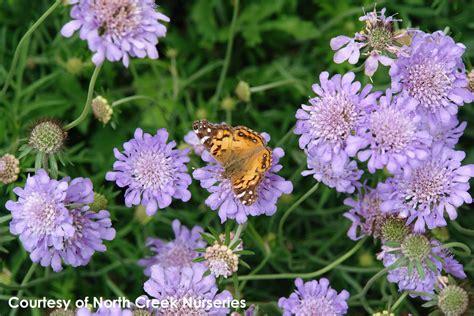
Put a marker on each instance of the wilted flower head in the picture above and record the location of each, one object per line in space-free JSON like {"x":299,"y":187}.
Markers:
{"x":9,"y":168}
{"x":314,"y":298}
{"x":225,"y":200}
{"x":393,"y":134}
{"x":47,"y":136}
{"x":186,"y":283}
{"x":179,"y":252}
{"x":116,"y":30}
{"x":424,"y":193}
{"x":433,"y":74}
{"x":417,"y":262}
{"x":343,"y":176}
{"x":152,"y":170}
{"x":378,"y":40}
{"x":365,"y":214}
{"x":102,"y":109}
{"x":334,"y":114}
{"x":53,"y":221}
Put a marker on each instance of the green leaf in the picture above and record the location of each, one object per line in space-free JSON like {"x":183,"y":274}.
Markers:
{"x":199,"y":259}
{"x":419,"y":269}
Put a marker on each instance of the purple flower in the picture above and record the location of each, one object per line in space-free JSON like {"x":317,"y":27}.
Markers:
{"x":434,"y":260}
{"x":343,"y":176}
{"x":229,"y":205}
{"x":378,"y":40}
{"x":152,"y":170}
{"x":446,"y":135}
{"x":184,"y":285}
{"x":334,"y":114}
{"x":176,"y":253}
{"x":53,"y":221}
{"x":192,"y":139}
{"x":434,"y":75}
{"x":424,"y":193}
{"x":392,"y":132}
{"x":117,"y":30}
{"x":365,"y":214}
{"x":314,"y":298}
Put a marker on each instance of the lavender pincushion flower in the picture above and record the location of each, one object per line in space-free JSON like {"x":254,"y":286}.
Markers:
{"x":314,"y":298}
{"x":117,"y":30}
{"x":152,"y":170}
{"x":53,"y":221}
{"x":434,"y":75}
{"x":192,"y":139}
{"x":424,"y":193}
{"x":344,"y":177}
{"x":393,"y":133}
{"x":187,"y":283}
{"x":176,"y":253}
{"x":378,"y":40}
{"x":446,"y":135}
{"x":334,"y":114}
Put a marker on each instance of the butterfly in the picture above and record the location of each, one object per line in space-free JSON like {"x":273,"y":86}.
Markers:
{"x":242,"y":153}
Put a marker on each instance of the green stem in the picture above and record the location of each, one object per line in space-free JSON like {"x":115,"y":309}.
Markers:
{"x":228,"y":53}
{"x":238,"y":232}
{"x":5,"y":218}
{"x":291,"y":209}
{"x":398,"y":302}
{"x":272,"y":85}
{"x":87,"y":105}
{"x":23,"y":40}
{"x":285,"y":137}
{"x":462,"y":230}
{"x":175,"y":77}
{"x":467,"y":250}
{"x":371,"y":282}
{"x":132,"y":98}
{"x":309,"y":275}
{"x":27,"y":277}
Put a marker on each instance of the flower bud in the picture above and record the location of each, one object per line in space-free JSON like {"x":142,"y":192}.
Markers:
{"x":74,"y":66}
{"x":394,"y":229}
{"x":102,"y":109}
{"x":9,"y":169}
{"x":228,"y":104}
{"x":99,"y":204}
{"x":470,"y":78}
{"x":453,"y":300}
{"x":242,"y":91}
{"x":221,"y":260}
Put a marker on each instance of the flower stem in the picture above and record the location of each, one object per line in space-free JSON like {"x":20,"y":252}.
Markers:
{"x":228,"y":53}
{"x":371,"y":282}
{"x":291,"y":209}
{"x":309,"y":275}
{"x":175,"y":77}
{"x":285,"y":137}
{"x":238,"y":232}
{"x":399,"y":302}
{"x":87,"y":105}
{"x":132,"y":98}
{"x":467,"y":250}
{"x":272,"y":85}
{"x":27,"y":277}
{"x":5,"y":218}
{"x":23,"y":40}
{"x":462,"y":230}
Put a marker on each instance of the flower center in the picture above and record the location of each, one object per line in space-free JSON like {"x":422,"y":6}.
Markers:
{"x":416,"y":247}
{"x":319,"y":306}
{"x":180,"y":255}
{"x":117,"y":18}
{"x":221,"y":260}
{"x":334,"y":117}
{"x":392,"y":130}
{"x":3,"y":166}
{"x":379,"y":37}
{"x":152,"y":169}
{"x":41,"y":214}
{"x":428,"y":82}
{"x":428,"y":185}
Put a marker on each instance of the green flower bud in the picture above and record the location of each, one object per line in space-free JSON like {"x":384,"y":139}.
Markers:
{"x":47,"y":136}
{"x":9,"y":169}
{"x":99,"y":204}
{"x":242,"y":91}
{"x":394,"y":229}
{"x":102,"y":109}
{"x":453,"y":300}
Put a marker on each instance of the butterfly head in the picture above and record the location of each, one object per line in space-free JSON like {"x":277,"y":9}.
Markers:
{"x":203,"y":130}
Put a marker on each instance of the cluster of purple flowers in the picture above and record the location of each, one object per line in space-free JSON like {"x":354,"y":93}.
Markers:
{"x":409,"y":131}
{"x":53,"y":220}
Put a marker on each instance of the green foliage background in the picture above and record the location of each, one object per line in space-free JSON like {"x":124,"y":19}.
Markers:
{"x":285,"y":42}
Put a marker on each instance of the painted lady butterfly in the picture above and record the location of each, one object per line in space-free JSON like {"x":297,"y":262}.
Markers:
{"x":242,"y":153}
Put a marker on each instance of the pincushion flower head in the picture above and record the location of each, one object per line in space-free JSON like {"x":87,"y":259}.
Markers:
{"x":9,"y":168}
{"x":315,"y":298}
{"x":434,"y":75}
{"x":416,"y":263}
{"x":391,"y":136}
{"x":186,"y":286}
{"x":423,"y":194}
{"x":379,"y":41}
{"x":447,"y":135}
{"x":334,"y":114}
{"x":179,"y":252}
{"x":117,"y":30}
{"x":53,"y":221}
{"x":152,"y":170}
